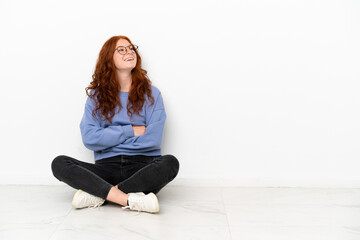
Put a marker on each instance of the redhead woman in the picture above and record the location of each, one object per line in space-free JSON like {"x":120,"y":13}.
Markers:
{"x":123,"y":124}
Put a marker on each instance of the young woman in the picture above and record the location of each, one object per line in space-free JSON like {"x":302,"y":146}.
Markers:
{"x":123,"y":124}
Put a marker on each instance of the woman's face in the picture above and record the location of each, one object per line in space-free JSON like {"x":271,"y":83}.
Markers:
{"x":126,"y":60}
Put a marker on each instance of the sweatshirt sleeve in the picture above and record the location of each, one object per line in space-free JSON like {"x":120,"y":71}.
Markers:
{"x":152,"y":138}
{"x":97,"y":138}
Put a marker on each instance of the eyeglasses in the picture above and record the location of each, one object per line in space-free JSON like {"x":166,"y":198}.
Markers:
{"x":123,"y":50}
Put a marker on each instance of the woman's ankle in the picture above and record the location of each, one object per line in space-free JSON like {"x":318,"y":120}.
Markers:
{"x":115,"y":195}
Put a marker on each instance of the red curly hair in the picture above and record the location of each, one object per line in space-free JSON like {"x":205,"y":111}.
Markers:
{"x":106,"y":86}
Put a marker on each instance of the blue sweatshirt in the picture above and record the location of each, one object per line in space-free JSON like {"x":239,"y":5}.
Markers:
{"x":117,"y":138}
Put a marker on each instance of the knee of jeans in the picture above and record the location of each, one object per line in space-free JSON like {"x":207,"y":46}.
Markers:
{"x":57,"y":164}
{"x":172,"y":164}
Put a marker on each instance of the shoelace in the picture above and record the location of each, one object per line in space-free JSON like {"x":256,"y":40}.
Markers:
{"x":93,"y":201}
{"x":97,"y":205}
{"x":128,"y":207}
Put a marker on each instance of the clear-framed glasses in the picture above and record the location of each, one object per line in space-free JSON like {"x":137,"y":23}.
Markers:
{"x":123,"y":50}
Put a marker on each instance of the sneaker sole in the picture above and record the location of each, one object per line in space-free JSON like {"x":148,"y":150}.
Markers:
{"x":157,"y":208}
{"x":75,"y":197}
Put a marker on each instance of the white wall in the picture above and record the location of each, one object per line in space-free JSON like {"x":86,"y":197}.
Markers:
{"x":257,"y":93}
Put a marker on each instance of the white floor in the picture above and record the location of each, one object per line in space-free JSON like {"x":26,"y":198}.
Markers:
{"x":45,"y":212}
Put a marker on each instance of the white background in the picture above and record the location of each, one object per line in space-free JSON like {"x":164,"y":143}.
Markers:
{"x":257,"y":93}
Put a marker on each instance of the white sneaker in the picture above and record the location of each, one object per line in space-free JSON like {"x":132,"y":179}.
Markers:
{"x":141,"y":202}
{"x":83,"y":199}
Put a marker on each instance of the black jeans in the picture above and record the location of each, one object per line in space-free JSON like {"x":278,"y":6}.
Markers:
{"x":130,"y":173}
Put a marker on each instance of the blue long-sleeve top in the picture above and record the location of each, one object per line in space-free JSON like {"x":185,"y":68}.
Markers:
{"x":117,"y":138}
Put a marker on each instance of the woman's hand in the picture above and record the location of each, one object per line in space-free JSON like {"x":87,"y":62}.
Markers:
{"x":139,"y":130}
